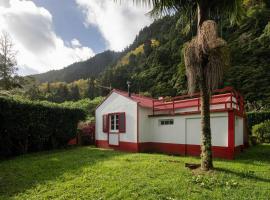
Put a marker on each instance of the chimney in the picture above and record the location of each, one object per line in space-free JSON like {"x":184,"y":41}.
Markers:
{"x":128,"y":84}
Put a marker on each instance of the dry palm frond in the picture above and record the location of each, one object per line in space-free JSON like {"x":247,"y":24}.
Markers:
{"x":206,"y":43}
{"x":192,"y":63}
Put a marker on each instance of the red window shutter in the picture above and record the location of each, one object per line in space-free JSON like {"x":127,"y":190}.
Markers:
{"x":122,"y":122}
{"x":105,"y":122}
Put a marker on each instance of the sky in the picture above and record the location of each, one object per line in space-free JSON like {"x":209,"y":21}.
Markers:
{"x":52,"y":34}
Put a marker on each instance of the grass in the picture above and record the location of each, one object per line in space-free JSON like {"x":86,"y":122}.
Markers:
{"x":91,"y":173}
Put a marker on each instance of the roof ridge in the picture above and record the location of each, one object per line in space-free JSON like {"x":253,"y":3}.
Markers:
{"x":134,"y":94}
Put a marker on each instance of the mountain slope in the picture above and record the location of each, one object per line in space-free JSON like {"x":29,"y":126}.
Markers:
{"x":80,"y":70}
{"x":160,"y":71}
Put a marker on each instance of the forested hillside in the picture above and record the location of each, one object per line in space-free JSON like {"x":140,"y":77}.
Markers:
{"x":160,"y":70}
{"x":80,"y":70}
{"x":154,"y":63}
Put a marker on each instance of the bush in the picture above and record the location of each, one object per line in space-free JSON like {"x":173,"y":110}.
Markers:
{"x":28,"y":126}
{"x":262,"y":132}
{"x":88,"y":105}
{"x":254,"y":118}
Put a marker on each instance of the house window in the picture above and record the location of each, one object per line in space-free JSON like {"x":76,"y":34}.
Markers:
{"x":166,"y":122}
{"x":114,"y":122}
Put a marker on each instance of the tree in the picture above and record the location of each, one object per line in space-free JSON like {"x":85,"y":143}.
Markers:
{"x":7,"y":61}
{"x":204,"y":55}
{"x":74,"y":93}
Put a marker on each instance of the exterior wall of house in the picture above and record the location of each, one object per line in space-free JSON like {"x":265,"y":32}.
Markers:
{"x":239,"y":131}
{"x":116,"y":103}
{"x":186,"y":129}
{"x":184,"y":136}
{"x":144,"y":125}
{"x":144,"y":133}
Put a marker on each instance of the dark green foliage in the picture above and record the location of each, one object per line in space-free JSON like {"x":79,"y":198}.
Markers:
{"x":262,"y":132}
{"x":87,"y":105}
{"x":32,"y":126}
{"x":74,"y":93}
{"x":80,"y":70}
{"x":254,"y":118}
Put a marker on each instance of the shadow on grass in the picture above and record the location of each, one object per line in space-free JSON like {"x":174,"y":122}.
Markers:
{"x":244,"y":174}
{"x":259,"y":153}
{"x":25,"y":172}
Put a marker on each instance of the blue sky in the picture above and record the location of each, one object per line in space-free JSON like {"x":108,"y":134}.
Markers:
{"x":68,"y":23}
{"x":52,"y":34}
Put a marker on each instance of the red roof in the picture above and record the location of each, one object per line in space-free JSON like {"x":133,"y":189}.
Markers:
{"x":175,"y":103}
{"x":142,"y":100}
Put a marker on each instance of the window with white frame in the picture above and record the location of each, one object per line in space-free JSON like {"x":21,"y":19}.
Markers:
{"x":166,"y":122}
{"x":114,"y":122}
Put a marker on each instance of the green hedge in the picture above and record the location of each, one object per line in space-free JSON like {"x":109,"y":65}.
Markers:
{"x":254,"y":118}
{"x":27,"y":126}
{"x":262,"y":132}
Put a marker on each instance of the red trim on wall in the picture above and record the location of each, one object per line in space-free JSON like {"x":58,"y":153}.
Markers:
{"x":231,"y":132}
{"x":102,"y":144}
{"x":138,"y":132}
{"x":168,"y":148}
{"x":123,"y":146}
{"x":162,"y":148}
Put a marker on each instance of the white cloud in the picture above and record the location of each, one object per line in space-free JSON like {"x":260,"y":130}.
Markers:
{"x":75,"y":43}
{"x":38,"y":45}
{"x":24,"y":71}
{"x":119,"y":22}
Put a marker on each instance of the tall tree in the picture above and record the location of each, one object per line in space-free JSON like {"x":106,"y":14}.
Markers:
{"x":74,"y":93}
{"x":204,"y":54}
{"x":7,"y":61}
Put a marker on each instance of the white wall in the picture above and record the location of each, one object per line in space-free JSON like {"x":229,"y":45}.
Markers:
{"x":144,"y":124}
{"x":219,"y":130}
{"x":118,"y":103}
{"x":186,"y":128}
{"x":239,"y":131}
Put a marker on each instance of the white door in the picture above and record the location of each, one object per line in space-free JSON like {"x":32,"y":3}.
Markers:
{"x":114,"y":139}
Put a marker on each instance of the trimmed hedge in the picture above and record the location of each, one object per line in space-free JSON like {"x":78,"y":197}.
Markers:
{"x":254,"y":118}
{"x":27,"y":126}
{"x":262,"y":132}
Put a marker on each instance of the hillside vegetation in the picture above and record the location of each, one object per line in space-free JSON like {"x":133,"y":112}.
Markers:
{"x":158,"y":69}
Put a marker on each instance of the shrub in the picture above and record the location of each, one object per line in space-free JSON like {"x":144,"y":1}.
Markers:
{"x":88,"y":105}
{"x":257,"y":118}
{"x":28,"y":126}
{"x":262,"y":132}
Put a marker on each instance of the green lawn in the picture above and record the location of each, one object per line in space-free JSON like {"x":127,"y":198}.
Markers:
{"x":90,"y":173}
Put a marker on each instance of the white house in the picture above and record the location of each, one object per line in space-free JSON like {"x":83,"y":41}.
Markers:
{"x":130,"y":122}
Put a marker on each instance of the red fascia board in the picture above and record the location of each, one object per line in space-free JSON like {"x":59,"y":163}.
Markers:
{"x":116,"y":91}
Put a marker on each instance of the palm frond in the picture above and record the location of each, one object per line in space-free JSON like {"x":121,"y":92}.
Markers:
{"x":208,"y":43}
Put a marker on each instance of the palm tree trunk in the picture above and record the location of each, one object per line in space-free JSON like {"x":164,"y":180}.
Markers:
{"x":206,"y":146}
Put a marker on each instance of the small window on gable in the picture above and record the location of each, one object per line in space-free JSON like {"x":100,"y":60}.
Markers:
{"x":166,"y":122}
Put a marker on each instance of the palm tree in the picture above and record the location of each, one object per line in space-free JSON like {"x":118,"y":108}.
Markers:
{"x":204,"y":55}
